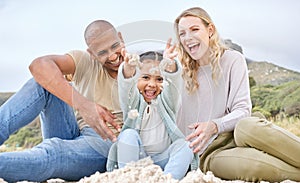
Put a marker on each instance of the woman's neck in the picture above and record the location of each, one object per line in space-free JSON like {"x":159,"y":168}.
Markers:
{"x":204,"y":60}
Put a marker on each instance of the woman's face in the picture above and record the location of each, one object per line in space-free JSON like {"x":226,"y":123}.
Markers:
{"x":150,"y":82}
{"x":194,"y":36}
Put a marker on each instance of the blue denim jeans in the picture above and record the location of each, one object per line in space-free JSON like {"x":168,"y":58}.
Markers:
{"x":65,"y":152}
{"x":175,"y":160}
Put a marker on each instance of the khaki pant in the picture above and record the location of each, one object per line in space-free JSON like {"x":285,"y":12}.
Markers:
{"x":257,"y":150}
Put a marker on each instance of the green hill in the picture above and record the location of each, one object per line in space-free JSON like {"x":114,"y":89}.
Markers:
{"x":273,"y":100}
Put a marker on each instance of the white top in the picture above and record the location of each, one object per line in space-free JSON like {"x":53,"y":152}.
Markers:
{"x":224,"y":102}
{"x":153,"y":131}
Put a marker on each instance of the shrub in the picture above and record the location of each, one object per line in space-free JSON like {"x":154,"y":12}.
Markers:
{"x":24,"y":137}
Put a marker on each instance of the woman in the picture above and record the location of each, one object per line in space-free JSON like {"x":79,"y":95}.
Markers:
{"x":216,"y":109}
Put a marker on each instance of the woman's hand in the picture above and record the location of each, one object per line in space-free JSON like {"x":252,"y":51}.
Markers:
{"x":203,"y":131}
{"x":170,"y":51}
{"x":168,"y":64}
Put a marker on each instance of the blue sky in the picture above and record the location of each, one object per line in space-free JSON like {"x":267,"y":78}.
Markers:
{"x":267,"y":30}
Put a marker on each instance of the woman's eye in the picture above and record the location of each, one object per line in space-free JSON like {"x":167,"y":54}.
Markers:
{"x":195,"y":29}
{"x":181,"y":34}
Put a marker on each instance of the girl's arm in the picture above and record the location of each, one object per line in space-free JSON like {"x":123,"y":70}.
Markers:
{"x":171,"y":70}
{"x":127,"y":79}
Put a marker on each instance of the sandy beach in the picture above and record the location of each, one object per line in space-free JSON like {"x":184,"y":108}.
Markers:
{"x":144,"y":171}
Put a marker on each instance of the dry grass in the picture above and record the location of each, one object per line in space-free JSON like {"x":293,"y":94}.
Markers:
{"x":291,"y":124}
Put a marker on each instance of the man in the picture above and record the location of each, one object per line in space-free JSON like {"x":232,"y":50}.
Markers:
{"x":74,"y":145}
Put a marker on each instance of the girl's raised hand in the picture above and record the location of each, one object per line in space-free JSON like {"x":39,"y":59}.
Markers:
{"x":131,"y":62}
{"x":130,"y":59}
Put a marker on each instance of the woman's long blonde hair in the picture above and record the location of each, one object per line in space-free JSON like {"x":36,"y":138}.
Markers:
{"x":216,"y":48}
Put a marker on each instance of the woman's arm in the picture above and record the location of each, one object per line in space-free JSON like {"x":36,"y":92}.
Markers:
{"x":238,"y":102}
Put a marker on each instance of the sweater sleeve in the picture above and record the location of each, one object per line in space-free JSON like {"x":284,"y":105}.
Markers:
{"x":238,"y":102}
{"x":171,"y":89}
{"x":128,"y":95}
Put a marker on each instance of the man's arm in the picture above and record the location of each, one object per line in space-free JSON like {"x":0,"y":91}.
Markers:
{"x":49,"y":72}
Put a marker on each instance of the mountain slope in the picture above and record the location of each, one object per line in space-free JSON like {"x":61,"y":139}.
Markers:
{"x":265,"y":73}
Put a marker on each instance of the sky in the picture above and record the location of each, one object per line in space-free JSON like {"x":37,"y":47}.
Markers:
{"x":267,"y":30}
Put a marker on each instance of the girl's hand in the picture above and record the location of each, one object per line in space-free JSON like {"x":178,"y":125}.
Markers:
{"x":131,"y":62}
{"x":203,"y":131}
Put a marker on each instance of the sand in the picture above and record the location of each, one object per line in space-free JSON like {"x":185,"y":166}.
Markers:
{"x":144,"y":171}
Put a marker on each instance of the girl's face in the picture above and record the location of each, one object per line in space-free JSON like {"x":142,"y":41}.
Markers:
{"x":150,"y":82}
{"x":194,"y":36}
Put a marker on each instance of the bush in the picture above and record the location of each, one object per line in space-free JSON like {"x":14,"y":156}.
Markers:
{"x":267,"y":114}
{"x":293,"y":110}
{"x":26,"y":136}
{"x":252,"y":82}
{"x":277,"y":99}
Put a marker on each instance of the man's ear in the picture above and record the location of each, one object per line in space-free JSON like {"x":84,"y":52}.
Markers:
{"x":120,"y":36}
{"x":91,"y":53}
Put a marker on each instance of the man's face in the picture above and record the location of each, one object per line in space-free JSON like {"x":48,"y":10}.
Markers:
{"x":107,"y":50}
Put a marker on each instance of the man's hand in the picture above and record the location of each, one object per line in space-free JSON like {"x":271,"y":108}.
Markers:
{"x":97,"y":116}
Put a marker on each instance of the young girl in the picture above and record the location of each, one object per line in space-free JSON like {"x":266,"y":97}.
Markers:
{"x":149,"y":98}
